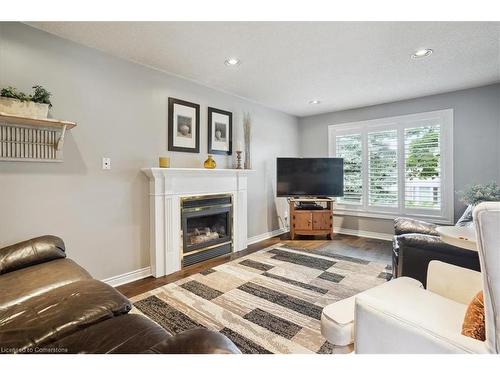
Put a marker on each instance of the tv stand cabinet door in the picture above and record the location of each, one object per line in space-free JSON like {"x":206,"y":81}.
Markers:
{"x":322,"y":220}
{"x":302,"y":220}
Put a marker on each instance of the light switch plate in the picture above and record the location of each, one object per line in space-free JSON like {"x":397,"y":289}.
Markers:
{"x":106,"y":163}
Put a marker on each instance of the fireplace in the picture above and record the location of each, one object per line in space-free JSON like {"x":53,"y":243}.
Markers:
{"x":171,"y":190}
{"x":206,"y":226}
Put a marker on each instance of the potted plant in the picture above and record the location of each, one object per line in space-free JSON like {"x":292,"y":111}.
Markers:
{"x":15,"y":102}
{"x":475,"y":194}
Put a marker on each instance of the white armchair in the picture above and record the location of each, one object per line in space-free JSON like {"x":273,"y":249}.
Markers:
{"x":415,"y":320}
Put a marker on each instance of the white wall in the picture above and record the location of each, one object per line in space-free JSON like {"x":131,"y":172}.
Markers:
{"x":121,"y":111}
{"x":476,"y":139}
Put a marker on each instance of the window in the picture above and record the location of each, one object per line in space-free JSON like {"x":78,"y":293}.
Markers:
{"x":397,"y":166}
{"x":382,"y":168}
{"x":349,"y":147}
{"x":422,"y":167}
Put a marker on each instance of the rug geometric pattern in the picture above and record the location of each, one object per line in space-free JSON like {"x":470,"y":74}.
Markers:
{"x":267,"y":302}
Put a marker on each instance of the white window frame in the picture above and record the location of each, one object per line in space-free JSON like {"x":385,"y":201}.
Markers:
{"x":445,"y":119}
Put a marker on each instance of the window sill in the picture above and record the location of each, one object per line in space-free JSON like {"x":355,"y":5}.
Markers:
{"x":391,"y":216}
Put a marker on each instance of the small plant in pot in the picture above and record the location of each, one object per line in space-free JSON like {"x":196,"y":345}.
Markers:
{"x":475,"y":194}
{"x":15,"y":102}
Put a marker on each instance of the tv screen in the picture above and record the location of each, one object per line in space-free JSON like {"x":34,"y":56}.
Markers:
{"x":316,"y":177}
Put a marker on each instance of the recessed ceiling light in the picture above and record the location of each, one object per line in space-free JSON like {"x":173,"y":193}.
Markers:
{"x":421,"y":53}
{"x":314,"y":101}
{"x":232,"y":61}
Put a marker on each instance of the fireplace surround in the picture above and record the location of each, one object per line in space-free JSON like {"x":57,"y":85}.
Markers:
{"x":173,"y":189}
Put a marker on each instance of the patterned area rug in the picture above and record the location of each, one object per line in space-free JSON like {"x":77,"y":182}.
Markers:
{"x":267,"y":302}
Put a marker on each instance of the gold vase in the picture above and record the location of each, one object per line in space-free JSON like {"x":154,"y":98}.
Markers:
{"x":210,"y":163}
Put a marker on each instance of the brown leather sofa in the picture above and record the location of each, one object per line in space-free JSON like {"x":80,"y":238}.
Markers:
{"x":49,"y":304}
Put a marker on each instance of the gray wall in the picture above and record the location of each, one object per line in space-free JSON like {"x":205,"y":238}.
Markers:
{"x":121,"y":111}
{"x":476,"y":138}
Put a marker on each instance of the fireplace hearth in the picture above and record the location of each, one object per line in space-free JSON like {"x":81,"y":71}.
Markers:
{"x":206,"y":225}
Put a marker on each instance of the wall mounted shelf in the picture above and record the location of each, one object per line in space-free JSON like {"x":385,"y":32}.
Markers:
{"x":32,"y":139}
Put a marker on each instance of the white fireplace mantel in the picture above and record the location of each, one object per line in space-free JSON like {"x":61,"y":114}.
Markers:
{"x":166,"y":188}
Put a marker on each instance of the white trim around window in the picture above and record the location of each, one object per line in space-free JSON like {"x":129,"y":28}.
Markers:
{"x":442,"y":211}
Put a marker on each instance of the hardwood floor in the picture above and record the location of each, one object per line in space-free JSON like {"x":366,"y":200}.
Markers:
{"x":366,"y":248}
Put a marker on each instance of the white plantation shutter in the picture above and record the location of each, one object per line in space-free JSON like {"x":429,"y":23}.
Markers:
{"x":350,"y":147}
{"x":383,"y":168}
{"x":400,"y":165}
{"x":423,"y":167}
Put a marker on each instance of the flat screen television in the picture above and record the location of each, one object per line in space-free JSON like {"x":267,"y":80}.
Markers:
{"x":312,"y":177}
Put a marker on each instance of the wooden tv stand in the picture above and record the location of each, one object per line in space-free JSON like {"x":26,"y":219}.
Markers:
{"x":311,"y":221}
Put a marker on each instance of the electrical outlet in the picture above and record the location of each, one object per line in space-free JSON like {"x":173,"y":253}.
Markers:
{"x":106,"y":163}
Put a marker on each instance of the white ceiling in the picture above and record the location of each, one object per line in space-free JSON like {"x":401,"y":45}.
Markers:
{"x":286,"y":64}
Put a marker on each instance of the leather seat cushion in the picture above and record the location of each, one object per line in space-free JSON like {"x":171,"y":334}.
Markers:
{"x":26,"y":283}
{"x":337,"y":319}
{"x":126,"y":334}
{"x":59,"y":312}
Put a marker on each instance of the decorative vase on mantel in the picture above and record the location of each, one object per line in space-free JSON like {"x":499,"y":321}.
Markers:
{"x":247,"y":133}
{"x":210,"y":163}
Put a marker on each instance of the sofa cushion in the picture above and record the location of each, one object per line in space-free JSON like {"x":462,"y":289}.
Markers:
{"x":404,"y":225}
{"x":31,"y":252}
{"x":58,"y":312}
{"x":125,"y":334}
{"x":29,"y":282}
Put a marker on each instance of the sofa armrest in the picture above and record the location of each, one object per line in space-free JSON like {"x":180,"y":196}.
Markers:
{"x":28,"y":253}
{"x":429,"y":242}
{"x":416,"y":322}
{"x":195,"y":341}
{"x":403,"y":225}
{"x":415,"y":251}
{"x":456,"y":283}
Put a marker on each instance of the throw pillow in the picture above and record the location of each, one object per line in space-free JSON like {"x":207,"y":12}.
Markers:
{"x":474,"y":325}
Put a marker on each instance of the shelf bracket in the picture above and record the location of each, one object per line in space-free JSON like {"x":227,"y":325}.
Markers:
{"x":60,"y":142}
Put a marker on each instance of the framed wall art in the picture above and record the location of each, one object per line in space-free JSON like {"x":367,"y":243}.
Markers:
{"x":220,"y":132}
{"x":183,"y":126}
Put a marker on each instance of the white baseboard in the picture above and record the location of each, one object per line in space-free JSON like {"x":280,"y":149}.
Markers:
{"x":364,"y":233}
{"x":265,"y":236}
{"x":146,"y":271}
{"x":128,"y":277}
{"x":351,"y":232}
